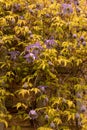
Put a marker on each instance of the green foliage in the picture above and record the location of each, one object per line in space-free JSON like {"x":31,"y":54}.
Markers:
{"x":43,"y":62}
{"x":44,"y":128}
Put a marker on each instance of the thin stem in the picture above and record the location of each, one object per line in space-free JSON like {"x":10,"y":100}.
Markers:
{"x":34,"y":125}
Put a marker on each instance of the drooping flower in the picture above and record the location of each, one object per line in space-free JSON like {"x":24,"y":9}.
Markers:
{"x":82,"y":38}
{"x":83,"y":108}
{"x":66,"y":9}
{"x":77,"y":115}
{"x":13,"y":54}
{"x":45,"y":101}
{"x":32,"y":51}
{"x":42,"y":88}
{"x":30,"y":57}
{"x":84,"y":43}
{"x":78,"y":95}
{"x":78,"y":9}
{"x":50,"y":43}
{"x":21,"y":17}
{"x":52,"y":125}
{"x":74,"y":36}
{"x":33,"y":46}
{"x":33,"y":114}
{"x":76,"y":2}
{"x":16,"y":7}
{"x":46,"y":117}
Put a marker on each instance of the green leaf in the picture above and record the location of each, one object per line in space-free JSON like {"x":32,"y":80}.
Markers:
{"x":35,"y":90}
{"x":19,"y":104}
{"x":70,"y":103}
{"x":57,"y":120}
{"x":23,"y":92}
{"x":5,"y":122}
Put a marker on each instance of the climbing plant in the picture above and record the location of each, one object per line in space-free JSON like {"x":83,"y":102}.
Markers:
{"x":43,"y":63}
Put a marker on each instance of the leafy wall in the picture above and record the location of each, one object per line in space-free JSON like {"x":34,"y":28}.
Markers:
{"x":43,"y":63}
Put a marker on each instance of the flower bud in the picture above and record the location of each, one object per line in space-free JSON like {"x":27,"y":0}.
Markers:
{"x":52,"y":125}
{"x":82,"y":38}
{"x":83,"y":108}
{"x":46,"y":117}
{"x":33,"y":114}
{"x":77,"y":115}
{"x":84,"y":43}
{"x":74,"y":36}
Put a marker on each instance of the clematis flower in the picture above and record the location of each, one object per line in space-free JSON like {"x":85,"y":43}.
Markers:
{"x":77,"y":115}
{"x":16,"y":7}
{"x":45,"y":101}
{"x":30,"y":57}
{"x":42,"y":88}
{"x":33,"y":114}
{"x":84,"y":43}
{"x":21,"y":17}
{"x":74,"y":36}
{"x":50,"y":43}
{"x":83,"y":108}
{"x":32,"y":51}
{"x":67,"y":8}
{"x":76,"y":2}
{"x":13,"y":54}
{"x":46,"y":117}
{"x":33,"y":46}
{"x":52,"y":125}
{"x":82,"y":38}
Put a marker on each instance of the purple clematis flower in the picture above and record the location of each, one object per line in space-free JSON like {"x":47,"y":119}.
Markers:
{"x":33,"y":46}
{"x":50,"y":43}
{"x":32,"y":51}
{"x":21,"y":17}
{"x":46,"y":117}
{"x":42,"y":88}
{"x":52,"y":125}
{"x":33,"y":114}
{"x":83,"y":109}
{"x":13,"y":54}
{"x":30,"y":57}
{"x":76,"y":2}
{"x":77,"y":115}
{"x":67,"y":8}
